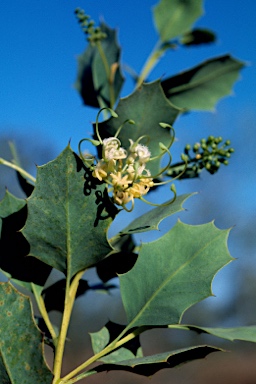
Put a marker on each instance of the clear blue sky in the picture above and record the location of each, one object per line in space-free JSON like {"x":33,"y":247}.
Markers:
{"x":40,"y":41}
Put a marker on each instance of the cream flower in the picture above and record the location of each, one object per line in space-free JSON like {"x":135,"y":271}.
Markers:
{"x":119,"y":181}
{"x":121,"y":197}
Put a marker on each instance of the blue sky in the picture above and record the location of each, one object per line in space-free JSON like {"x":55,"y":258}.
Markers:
{"x":40,"y":41}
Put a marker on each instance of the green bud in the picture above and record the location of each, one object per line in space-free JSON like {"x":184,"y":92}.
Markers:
{"x":184,"y":157}
{"x":225,"y":162}
{"x":227,"y":142}
{"x":208,"y":166}
{"x":164,"y":125}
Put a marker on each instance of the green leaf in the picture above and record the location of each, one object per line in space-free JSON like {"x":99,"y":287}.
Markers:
{"x":14,"y":248}
{"x":69,"y":213}
{"x":202,"y":86}
{"x":22,"y":360}
{"x":173,"y":273}
{"x":235,"y":333}
{"x":148,"y":107}
{"x":10,"y":204}
{"x":109,"y":333}
{"x":149,"y":365}
{"x":175,"y":17}
{"x":92,"y":81}
{"x":197,"y":37}
{"x":151,"y":220}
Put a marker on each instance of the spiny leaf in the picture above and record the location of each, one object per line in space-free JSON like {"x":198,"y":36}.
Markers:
{"x":69,"y":213}
{"x":21,"y":349}
{"x":14,"y":247}
{"x":148,"y":107}
{"x":151,"y":220}
{"x":173,"y":18}
{"x":149,"y":365}
{"x":10,"y":204}
{"x":109,"y":333}
{"x":92,"y":81}
{"x":173,"y":273}
{"x":202,"y":86}
{"x":234,"y":333}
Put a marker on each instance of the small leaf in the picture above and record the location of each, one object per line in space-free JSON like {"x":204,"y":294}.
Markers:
{"x":69,"y":213}
{"x":198,"y":36}
{"x":174,"y":18}
{"x":201,"y":87}
{"x":151,"y":220}
{"x":14,"y":248}
{"x":92,"y":81}
{"x":21,"y":347}
{"x":148,"y":107}
{"x":10,"y":204}
{"x":109,"y":333}
{"x":173,"y":273}
{"x":237,"y":333}
{"x":149,"y":365}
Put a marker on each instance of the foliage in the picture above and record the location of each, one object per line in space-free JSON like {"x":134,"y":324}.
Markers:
{"x":63,"y":223}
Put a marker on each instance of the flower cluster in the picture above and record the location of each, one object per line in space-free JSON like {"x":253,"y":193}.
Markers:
{"x":124,"y":171}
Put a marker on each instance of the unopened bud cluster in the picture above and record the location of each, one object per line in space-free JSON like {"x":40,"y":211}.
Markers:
{"x":124,"y":170}
{"x":208,"y":154}
{"x":93,"y":33}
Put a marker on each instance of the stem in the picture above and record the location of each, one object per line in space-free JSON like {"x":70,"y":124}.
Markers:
{"x":108,"y":73}
{"x":70,"y":296}
{"x":17,"y":168}
{"x":109,"y":348}
{"x":152,"y":60}
{"x":43,"y":311}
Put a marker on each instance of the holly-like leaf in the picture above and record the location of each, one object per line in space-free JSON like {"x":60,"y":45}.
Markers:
{"x":93,"y":81}
{"x":149,"y":365}
{"x":234,"y":333}
{"x":21,"y":347}
{"x":14,"y":248}
{"x":148,"y":107}
{"x":69,"y":213}
{"x":173,"y":273}
{"x":109,"y":333}
{"x":202,"y":86}
{"x":174,"y":18}
{"x":151,"y":220}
